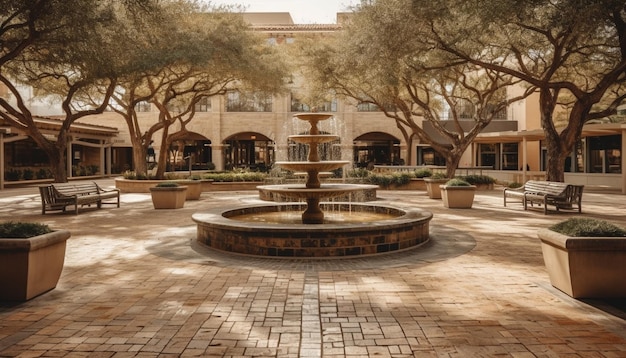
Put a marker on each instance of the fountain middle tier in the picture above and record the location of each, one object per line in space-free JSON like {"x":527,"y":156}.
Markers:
{"x":325,"y":166}
{"x":300,"y":191}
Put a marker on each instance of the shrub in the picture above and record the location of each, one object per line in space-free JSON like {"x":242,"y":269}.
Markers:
{"x":457,"y":182}
{"x":358,"y":173}
{"x":515,"y":185}
{"x":13,"y":174}
{"x":387,"y":180}
{"x":168,"y":184}
{"x":43,"y":174}
{"x":235,"y":176}
{"x":129,"y":174}
{"x":28,"y":174}
{"x":587,"y":227}
{"x":438,"y":175}
{"x":423,"y":173}
{"x":478,"y":179}
{"x":11,"y":229}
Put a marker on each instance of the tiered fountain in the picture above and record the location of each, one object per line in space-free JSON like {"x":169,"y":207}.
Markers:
{"x":355,"y":229}
{"x":313,"y":191}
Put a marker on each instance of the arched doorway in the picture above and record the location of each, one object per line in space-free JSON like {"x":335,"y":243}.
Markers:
{"x":377,"y":148}
{"x":248,"y":150}
{"x":189,"y":150}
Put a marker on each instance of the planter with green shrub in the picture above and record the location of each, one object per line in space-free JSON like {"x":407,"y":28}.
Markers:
{"x":457,"y":194}
{"x":31,"y":259}
{"x":482,"y":182}
{"x":585,"y":258}
{"x":433,"y":183}
{"x":168,"y":195}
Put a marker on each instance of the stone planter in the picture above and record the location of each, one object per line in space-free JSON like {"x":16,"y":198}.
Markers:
{"x":168,"y":197}
{"x":432,"y":187}
{"x":585,"y":267}
{"x":194,"y":188}
{"x":458,"y":197}
{"x":32,"y":266}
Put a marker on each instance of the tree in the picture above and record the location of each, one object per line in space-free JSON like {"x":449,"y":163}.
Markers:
{"x":190,"y":54}
{"x":62,"y":49}
{"x":573,"y":52}
{"x":384,"y":57}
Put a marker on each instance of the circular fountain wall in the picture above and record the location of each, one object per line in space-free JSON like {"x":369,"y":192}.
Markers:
{"x":398,"y":229}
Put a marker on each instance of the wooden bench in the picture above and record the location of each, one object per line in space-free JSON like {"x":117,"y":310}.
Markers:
{"x":562,"y":196}
{"x":58,"y":196}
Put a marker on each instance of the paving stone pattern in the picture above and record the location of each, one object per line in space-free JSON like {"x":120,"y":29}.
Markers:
{"x":136,"y":284}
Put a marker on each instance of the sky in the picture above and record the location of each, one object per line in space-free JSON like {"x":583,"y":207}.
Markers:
{"x":302,"y":11}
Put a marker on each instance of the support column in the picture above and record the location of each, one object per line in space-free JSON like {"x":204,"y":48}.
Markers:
{"x":217,"y":156}
{"x":102,"y":158}
{"x":622,"y":153}
{"x":1,"y":159}
{"x":69,"y":156}
{"x":524,"y":158}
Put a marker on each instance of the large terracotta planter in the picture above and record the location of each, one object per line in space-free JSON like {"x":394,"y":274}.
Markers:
{"x":168,"y":197}
{"x":32,"y":266}
{"x":194,"y":189}
{"x":432,"y":187}
{"x":585,"y":267}
{"x":458,"y":197}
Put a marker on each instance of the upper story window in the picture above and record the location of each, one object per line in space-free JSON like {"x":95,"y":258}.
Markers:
{"x":203,"y":105}
{"x":298,"y":106}
{"x":143,"y":106}
{"x":248,"y":102}
{"x":370,"y":107}
{"x":367,"y":107}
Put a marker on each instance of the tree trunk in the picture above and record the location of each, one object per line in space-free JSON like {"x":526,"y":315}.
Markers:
{"x":555,"y":167}
{"x":163,"y":153}
{"x":58,"y":165}
{"x":453,"y":158}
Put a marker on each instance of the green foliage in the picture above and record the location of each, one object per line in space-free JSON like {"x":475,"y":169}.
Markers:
{"x":438,"y":175}
{"x":515,"y":185}
{"x":358,"y":173}
{"x":423,"y":173}
{"x":478,"y":179}
{"x":457,"y":182}
{"x":588,"y":227}
{"x":43,"y":173}
{"x":28,"y":174}
{"x":168,"y":184}
{"x":235,"y":176}
{"x":13,"y":174}
{"x":12,"y":229}
{"x":389,"y":179}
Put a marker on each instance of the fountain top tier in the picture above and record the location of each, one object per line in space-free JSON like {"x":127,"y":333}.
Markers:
{"x":313,"y":119}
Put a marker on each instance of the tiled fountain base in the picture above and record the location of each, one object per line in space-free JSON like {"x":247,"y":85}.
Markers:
{"x":220,"y":230}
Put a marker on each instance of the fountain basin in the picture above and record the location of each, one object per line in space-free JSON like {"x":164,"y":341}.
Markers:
{"x":402,"y":229}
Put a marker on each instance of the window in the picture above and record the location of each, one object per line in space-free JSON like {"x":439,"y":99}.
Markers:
{"x":367,"y":107}
{"x":487,"y":155}
{"x":298,"y":106}
{"x":510,"y":156}
{"x":605,"y":154}
{"x":248,"y":102}
{"x":142,"y":106}
{"x":203,"y":105}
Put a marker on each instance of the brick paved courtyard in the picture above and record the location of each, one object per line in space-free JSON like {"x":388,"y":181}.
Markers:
{"x":135,"y":284}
